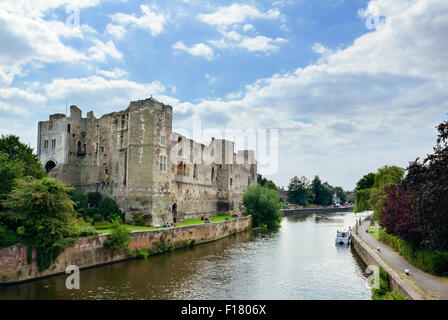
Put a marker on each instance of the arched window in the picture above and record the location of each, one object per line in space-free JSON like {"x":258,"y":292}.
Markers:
{"x":49,"y":166}
{"x":79,"y":147}
{"x":213,"y":174}
{"x":195,"y":171}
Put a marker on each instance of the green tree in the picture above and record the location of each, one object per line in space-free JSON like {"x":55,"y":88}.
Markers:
{"x":366,"y":182}
{"x":322,"y":192}
{"x":9,"y":171}
{"x":386,"y":176}
{"x":264,"y":205}
{"x":265,"y":182}
{"x":298,"y":191}
{"x":14,"y":150}
{"x":42,"y":214}
{"x":362,"y":198}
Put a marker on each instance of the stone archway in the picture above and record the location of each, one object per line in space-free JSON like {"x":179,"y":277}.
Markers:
{"x":174,"y":212}
{"x":50,"y":166}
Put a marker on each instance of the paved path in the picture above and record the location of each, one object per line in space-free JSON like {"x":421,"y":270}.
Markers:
{"x":429,"y":286}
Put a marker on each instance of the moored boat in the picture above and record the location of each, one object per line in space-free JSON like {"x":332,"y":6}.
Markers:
{"x":343,"y":237}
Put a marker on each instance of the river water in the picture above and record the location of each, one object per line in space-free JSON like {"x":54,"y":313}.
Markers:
{"x":300,"y":261}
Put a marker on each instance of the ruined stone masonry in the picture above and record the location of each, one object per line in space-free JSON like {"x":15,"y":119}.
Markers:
{"x":155,"y":175}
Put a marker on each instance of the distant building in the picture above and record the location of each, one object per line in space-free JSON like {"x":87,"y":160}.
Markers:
{"x":351,"y":196}
{"x":336,"y":199}
{"x":283,"y":194}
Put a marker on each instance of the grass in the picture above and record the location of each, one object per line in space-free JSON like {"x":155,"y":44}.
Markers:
{"x":180,"y":224}
{"x":376,"y":232}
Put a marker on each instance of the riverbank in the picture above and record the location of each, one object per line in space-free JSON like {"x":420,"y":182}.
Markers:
{"x":287,"y":212}
{"x":90,"y":251}
{"x":418,"y":285}
{"x":370,"y":257}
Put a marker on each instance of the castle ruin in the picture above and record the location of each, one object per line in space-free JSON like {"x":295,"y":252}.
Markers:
{"x":155,"y":175}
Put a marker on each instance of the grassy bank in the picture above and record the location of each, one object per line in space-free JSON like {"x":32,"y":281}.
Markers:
{"x":434,"y":262}
{"x":107,"y":228}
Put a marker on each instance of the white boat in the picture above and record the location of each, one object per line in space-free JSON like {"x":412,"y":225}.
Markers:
{"x":343,"y":237}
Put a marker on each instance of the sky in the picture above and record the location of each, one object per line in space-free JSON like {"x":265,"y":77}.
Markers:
{"x":348,"y":86}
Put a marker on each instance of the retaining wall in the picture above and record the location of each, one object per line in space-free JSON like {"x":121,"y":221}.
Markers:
{"x":90,"y":251}
{"x":371,"y":257}
{"x":287,"y":212}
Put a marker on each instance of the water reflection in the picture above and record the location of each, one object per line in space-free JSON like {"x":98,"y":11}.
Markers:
{"x":298,"y":262}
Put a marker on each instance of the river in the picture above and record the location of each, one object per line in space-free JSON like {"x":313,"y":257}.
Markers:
{"x":300,"y":261}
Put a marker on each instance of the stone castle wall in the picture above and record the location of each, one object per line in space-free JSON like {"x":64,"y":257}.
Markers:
{"x":155,"y":175}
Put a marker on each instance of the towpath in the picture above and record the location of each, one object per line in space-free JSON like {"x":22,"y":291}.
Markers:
{"x":428,"y":285}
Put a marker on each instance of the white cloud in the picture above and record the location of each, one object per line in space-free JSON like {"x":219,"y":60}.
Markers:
{"x":232,"y":39}
{"x":116,"y":73}
{"x":150,"y":21}
{"x":116,"y":31}
{"x":101,"y":50}
{"x":261,"y":43}
{"x":248,"y":27}
{"x":237,"y":13}
{"x":227,"y":19}
{"x":199,"y":49}
{"x":29,"y":39}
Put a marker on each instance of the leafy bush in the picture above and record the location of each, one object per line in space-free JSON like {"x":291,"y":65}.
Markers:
{"x":94,"y":199}
{"x":378,"y":294}
{"x":80,"y":199}
{"x":90,"y":212}
{"x":434,"y":262}
{"x":8,"y":237}
{"x":141,"y":253}
{"x":384,"y":291}
{"x":264,"y":206}
{"x":119,"y":239}
{"x":97,"y":217}
{"x":109,"y":209}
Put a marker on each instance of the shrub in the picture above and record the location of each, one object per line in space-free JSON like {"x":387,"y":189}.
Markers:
{"x":80,"y":199}
{"x":97,"y":217}
{"x":264,"y":206}
{"x":119,"y":239}
{"x":9,"y":237}
{"x":141,"y":253}
{"x":90,"y":212}
{"x":94,"y":199}
{"x":434,"y":262}
{"x":378,"y":294}
{"x":109,"y":209}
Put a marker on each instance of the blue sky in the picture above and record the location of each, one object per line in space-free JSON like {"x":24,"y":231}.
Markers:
{"x":346,"y":99}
